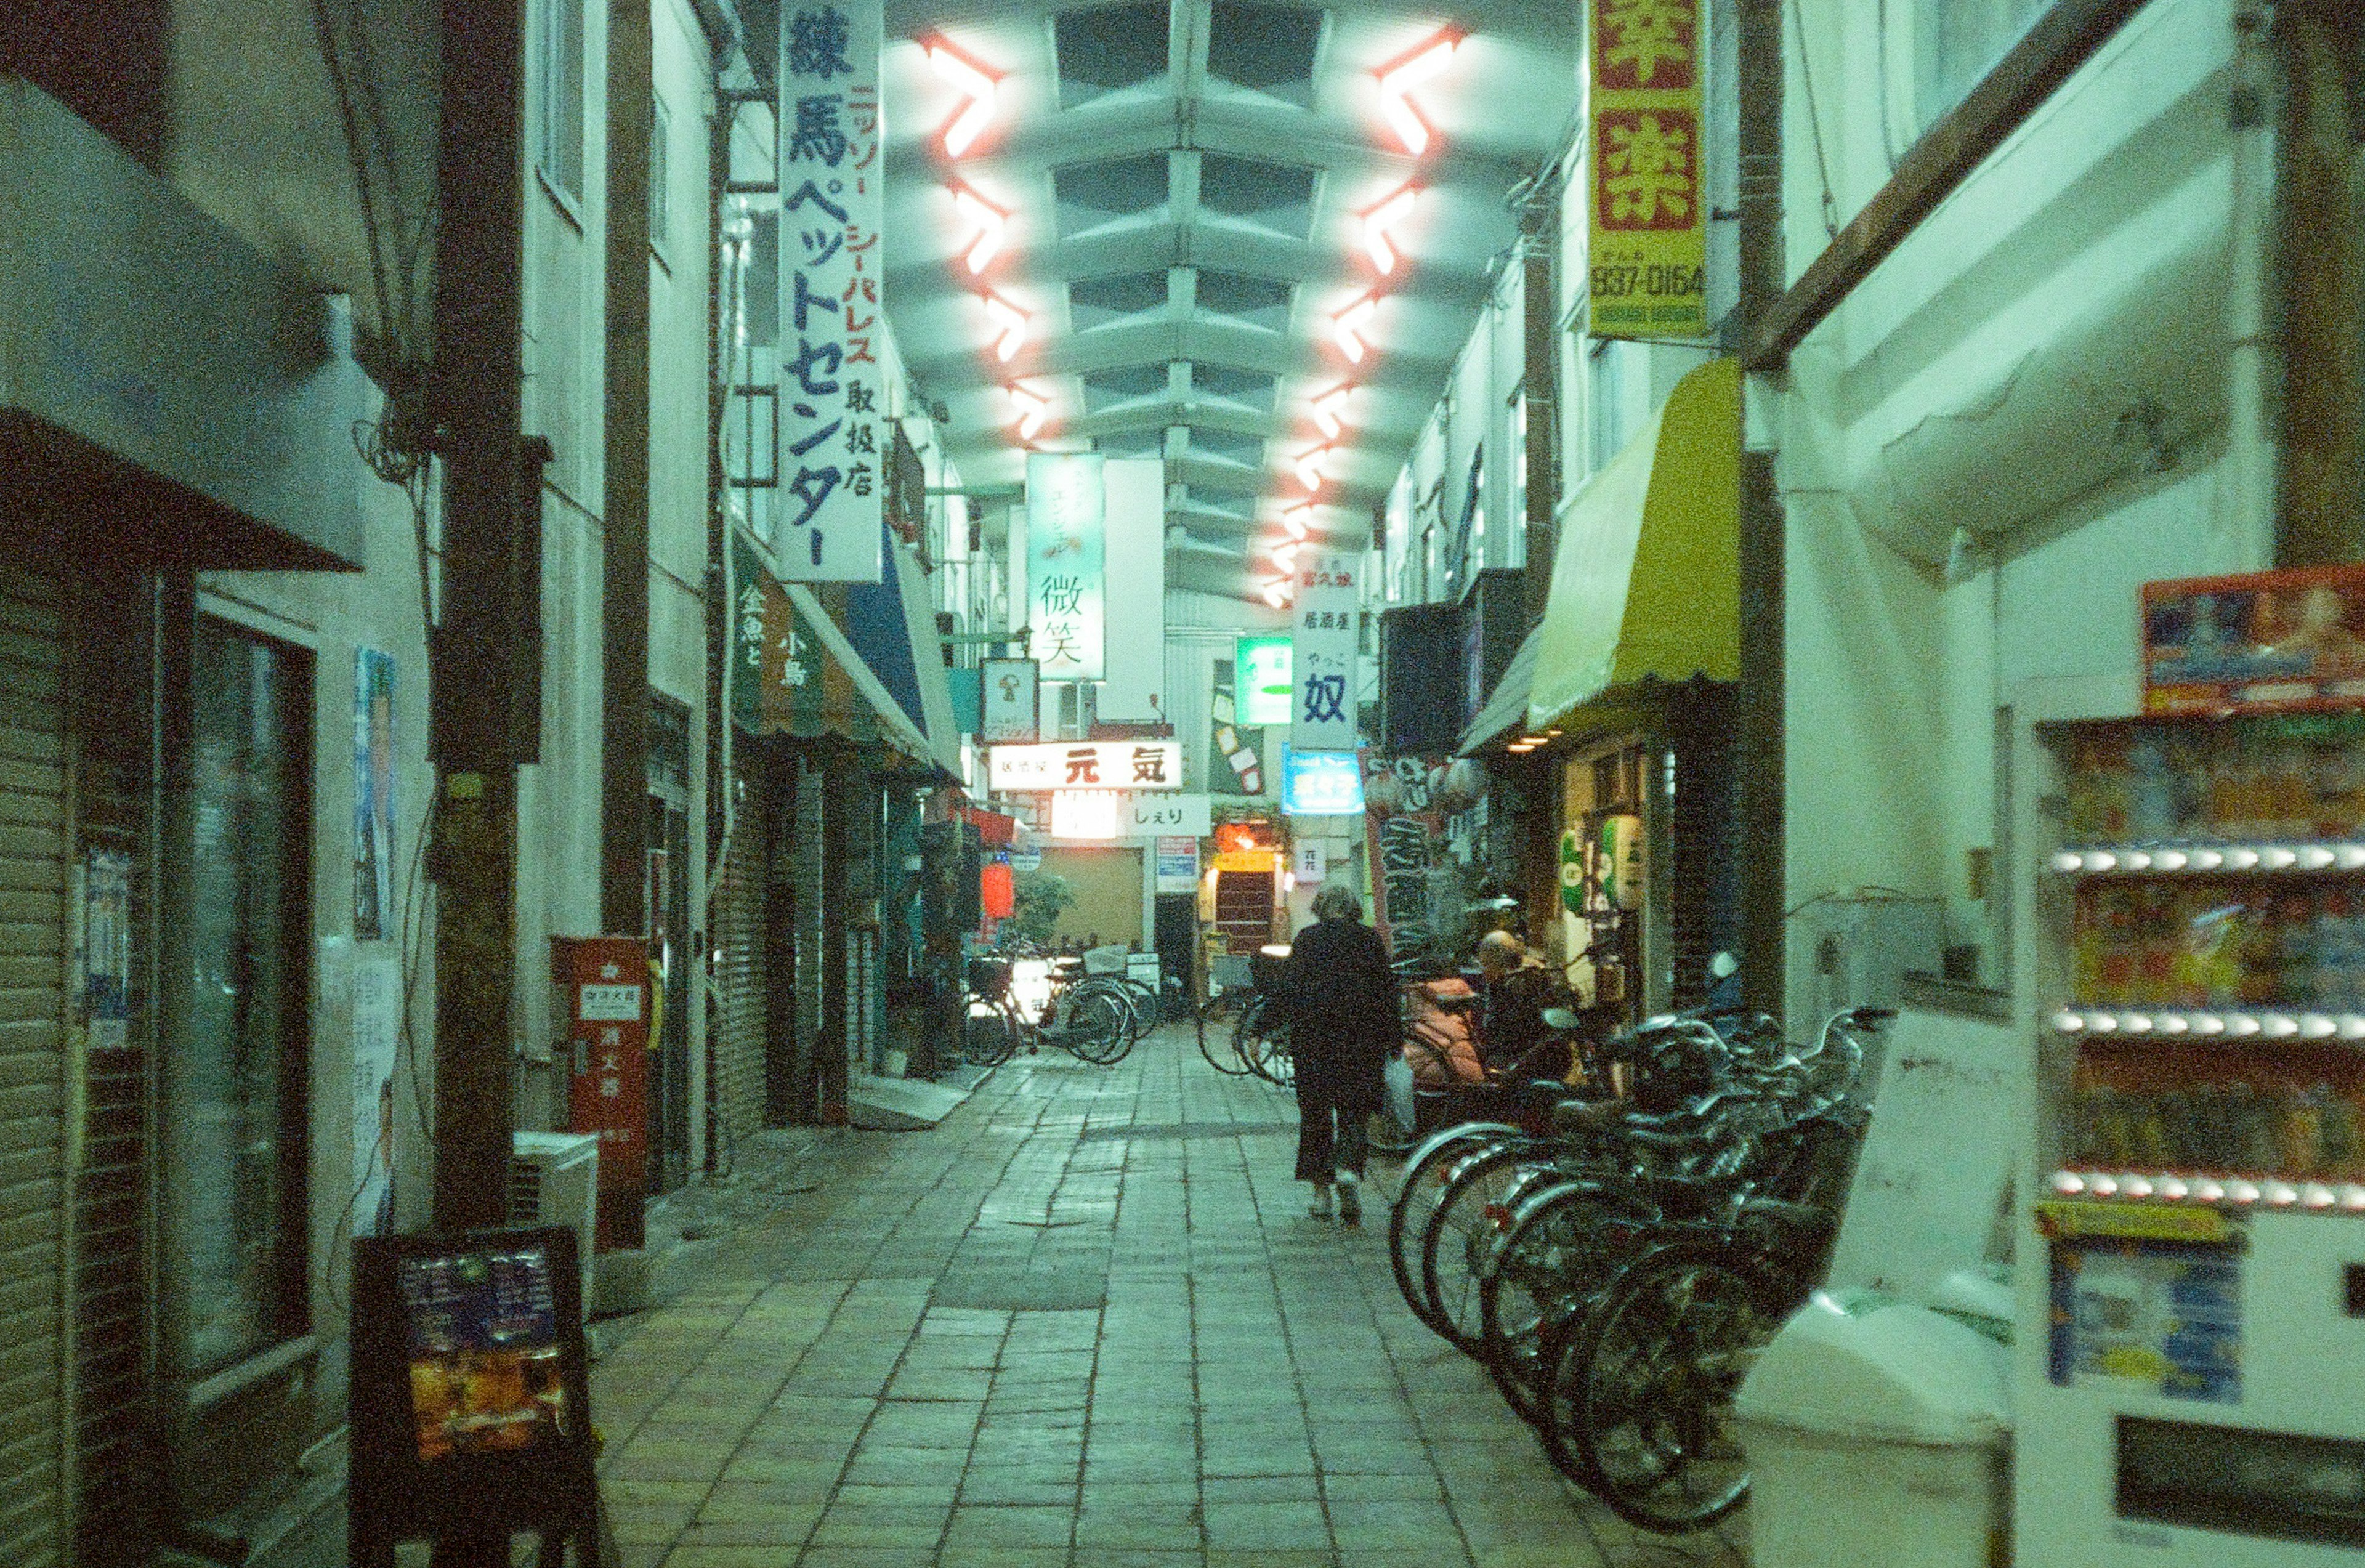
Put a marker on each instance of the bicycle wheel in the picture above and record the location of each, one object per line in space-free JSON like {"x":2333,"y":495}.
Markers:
{"x":1215,"y":1028}
{"x":1562,"y":1240}
{"x":1264,"y":1046}
{"x":989,"y":1035}
{"x":1651,"y":1380}
{"x":1465,"y":1223}
{"x":1095,"y":1028}
{"x":1426,"y":1174}
{"x":1142,"y":997}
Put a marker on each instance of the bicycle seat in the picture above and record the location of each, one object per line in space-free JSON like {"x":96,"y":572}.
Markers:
{"x":1560,"y":1020}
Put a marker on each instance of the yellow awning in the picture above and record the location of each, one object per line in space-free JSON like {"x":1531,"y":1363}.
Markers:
{"x":1646,"y":584}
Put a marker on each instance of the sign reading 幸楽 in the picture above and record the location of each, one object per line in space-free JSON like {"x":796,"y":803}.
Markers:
{"x":1322,"y":665}
{"x":1086,"y":765}
{"x":831,"y":405}
{"x":1648,"y":211}
{"x":1066,"y":588}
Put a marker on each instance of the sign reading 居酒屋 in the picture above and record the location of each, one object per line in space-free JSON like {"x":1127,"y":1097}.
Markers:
{"x":1067,"y":587}
{"x":1085,"y":765}
{"x":831,"y":468}
{"x":1648,"y":201}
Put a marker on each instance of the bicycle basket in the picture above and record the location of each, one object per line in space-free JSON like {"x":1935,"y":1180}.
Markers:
{"x":989,"y":977}
{"x":1264,"y":967}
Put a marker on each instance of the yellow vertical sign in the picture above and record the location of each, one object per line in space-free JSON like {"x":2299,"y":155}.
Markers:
{"x":1649,"y":195}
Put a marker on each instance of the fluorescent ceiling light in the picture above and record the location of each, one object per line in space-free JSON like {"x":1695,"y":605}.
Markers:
{"x":1422,"y":65}
{"x":963,"y":130}
{"x":1348,"y":325}
{"x":1009,"y":322}
{"x":1327,"y":410}
{"x":1382,"y":217}
{"x":1032,"y":411}
{"x":990,"y":220}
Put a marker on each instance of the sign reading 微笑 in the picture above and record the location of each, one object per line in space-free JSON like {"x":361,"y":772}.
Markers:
{"x":1648,"y":206}
{"x":1010,"y":688}
{"x":1322,"y":716}
{"x":832,"y":407}
{"x":1086,"y":765}
{"x":1066,"y":608}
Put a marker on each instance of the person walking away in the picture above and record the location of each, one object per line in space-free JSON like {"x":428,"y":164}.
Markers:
{"x":1340,"y":1001}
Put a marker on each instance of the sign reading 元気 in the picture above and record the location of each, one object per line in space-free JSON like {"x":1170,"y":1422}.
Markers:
{"x":1323,"y":663}
{"x":1648,"y":207}
{"x":1066,"y":586}
{"x":1010,"y":688}
{"x":1086,"y":765}
{"x":832,"y":476}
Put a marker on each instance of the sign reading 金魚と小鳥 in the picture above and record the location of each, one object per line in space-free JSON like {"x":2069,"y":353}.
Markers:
{"x":831,"y":403}
{"x":1648,"y":211}
{"x":1066,"y":603}
{"x":1322,"y":658}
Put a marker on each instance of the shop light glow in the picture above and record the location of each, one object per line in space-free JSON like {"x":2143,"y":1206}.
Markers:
{"x":1519,"y":748}
{"x":2349,"y":857}
{"x":1380,"y":221}
{"x":1424,"y":64}
{"x":1032,"y":411}
{"x":2316,"y":857}
{"x":1009,"y":325}
{"x":2275,"y":857}
{"x":981,"y":89}
{"x":2169,"y":860}
{"x":1329,"y":408}
{"x":1348,"y":325}
{"x":992,"y":225}
{"x":2207,"y":859}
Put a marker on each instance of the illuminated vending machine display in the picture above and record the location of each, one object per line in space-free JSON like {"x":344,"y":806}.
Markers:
{"x":2190,"y":1387}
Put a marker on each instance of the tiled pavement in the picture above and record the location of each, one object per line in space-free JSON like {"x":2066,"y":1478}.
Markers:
{"x":1086,"y":1321}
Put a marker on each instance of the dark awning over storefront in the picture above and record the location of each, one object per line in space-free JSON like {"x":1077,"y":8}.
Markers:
{"x":795,"y":671}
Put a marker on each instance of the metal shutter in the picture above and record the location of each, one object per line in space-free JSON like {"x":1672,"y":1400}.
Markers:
{"x":735,"y":1040}
{"x":33,"y":830}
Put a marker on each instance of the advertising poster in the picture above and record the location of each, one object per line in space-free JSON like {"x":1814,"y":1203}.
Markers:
{"x":1405,"y":837}
{"x":1012,"y":689}
{"x":1322,"y":715}
{"x":1178,"y":863}
{"x":377,"y":1033}
{"x":2165,"y":1317}
{"x":481,"y":1330}
{"x":2267,"y":641}
{"x":1065,"y":566}
{"x":1648,"y":213}
{"x":832,"y":408}
{"x":374,"y":854}
{"x":1236,"y":757}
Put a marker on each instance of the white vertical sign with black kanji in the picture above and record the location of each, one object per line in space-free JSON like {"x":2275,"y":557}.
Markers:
{"x":833,"y":454}
{"x":1322,"y":658}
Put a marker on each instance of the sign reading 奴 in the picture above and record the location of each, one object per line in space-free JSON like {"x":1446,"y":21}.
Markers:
{"x":831,"y":474}
{"x":1648,"y":211}
{"x":1066,"y":585}
{"x":1086,"y":765}
{"x":1322,"y":716}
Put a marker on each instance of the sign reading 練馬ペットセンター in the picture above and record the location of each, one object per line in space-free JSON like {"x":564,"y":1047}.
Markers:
{"x":1066,"y":589}
{"x":1322,"y":659}
{"x":1086,"y":765}
{"x":1648,"y":207}
{"x":831,"y":472}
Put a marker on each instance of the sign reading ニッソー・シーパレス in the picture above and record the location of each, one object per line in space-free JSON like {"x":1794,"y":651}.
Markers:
{"x":832,"y":410}
{"x":1648,"y":206}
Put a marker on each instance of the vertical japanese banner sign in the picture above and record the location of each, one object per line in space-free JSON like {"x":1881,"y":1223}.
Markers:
{"x":1066,"y":581}
{"x":1322,"y":657}
{"x":1649,"y":206}
{"x":831,"y":405}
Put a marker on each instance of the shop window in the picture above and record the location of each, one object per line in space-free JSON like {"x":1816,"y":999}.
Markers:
{"x":558,"y":73}
{"x":1956,"y":42}
{"x":236,"y":1070}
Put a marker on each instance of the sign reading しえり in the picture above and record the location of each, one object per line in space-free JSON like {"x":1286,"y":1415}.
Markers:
{"x":1648,"y":211}
{"x":1086,"y":765}
{"x":832,"y":478}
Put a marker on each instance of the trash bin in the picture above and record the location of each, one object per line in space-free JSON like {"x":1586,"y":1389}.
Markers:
{"x":1876,"y":1432}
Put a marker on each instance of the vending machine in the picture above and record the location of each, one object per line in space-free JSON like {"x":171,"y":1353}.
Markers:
{"x":2191,"y":1383}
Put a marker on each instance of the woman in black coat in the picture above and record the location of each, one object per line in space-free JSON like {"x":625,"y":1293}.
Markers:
{"x":1340,"y":1000}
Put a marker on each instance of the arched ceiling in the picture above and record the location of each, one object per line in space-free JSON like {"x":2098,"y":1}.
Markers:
{"x":1186,"y":186}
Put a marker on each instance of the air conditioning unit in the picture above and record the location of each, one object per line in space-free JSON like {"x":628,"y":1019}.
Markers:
{"x":555,"y":1180}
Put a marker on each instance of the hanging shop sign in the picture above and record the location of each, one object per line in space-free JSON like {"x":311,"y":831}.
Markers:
{"x":1320,"y":783}
{"x":2288,"y":639}
{"x":1405,"y":838}
{"x":1648,"y":206}
{"x":1261,"y":679}
{"x":831,"y":406}
{"x":1087,"y":813}
{"x":1178,"y":863}
{"x":1309,"y":861}
{"x":1066,"y":569}
{"x":1086,"y":765}
{"x":1012,"y":690}
{"x":1322,"y":716}
{"x":1157,"y":816}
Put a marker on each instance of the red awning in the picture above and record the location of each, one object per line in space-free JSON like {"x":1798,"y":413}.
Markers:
{"x":992,"y":827}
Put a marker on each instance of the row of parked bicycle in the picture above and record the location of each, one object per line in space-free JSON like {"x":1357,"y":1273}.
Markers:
{"x":1026,"y":997}
{"x":1615,"y":1264}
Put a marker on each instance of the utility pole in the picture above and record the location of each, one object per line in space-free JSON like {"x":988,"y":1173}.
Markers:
{"x":480,"y":691}
{"x":1764,"y":545}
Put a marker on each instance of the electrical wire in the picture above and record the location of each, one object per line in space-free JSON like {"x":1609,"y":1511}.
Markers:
{"x":1815,"y":124}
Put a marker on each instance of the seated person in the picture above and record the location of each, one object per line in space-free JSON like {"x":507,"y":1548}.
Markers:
{"x":1518,"y":987}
